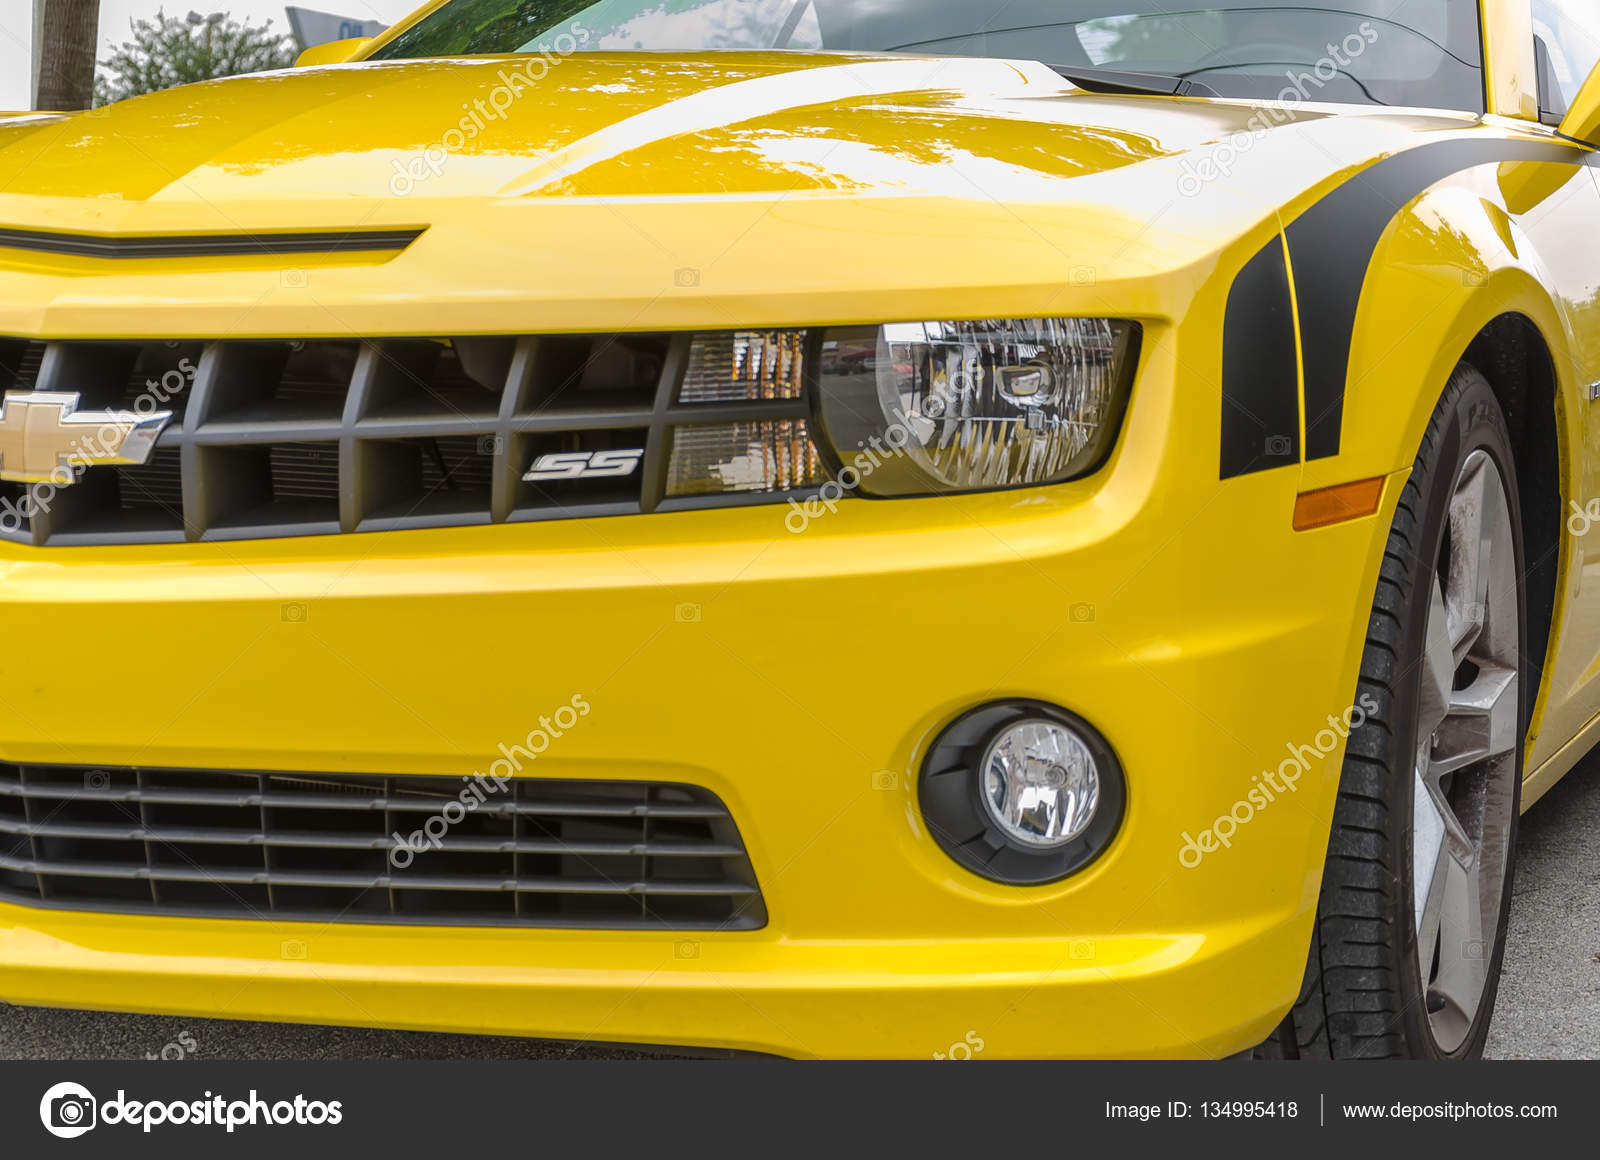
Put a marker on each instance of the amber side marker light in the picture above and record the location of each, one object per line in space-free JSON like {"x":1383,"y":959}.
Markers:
{"x":1335,"y":505}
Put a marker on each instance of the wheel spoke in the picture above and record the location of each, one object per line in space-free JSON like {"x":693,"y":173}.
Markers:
{"x":1481,"y":723}
{"x":1466,"y":593}
{"x":1428,"y":857}
{"x":1454,"y":994}
{"x":1500,"y":642}
{"x":1438,"y":668}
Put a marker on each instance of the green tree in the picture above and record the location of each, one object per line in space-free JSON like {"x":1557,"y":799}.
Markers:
{"x":166,"y":51}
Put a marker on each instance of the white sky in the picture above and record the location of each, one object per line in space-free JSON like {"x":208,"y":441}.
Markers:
{"x":16,"y":19}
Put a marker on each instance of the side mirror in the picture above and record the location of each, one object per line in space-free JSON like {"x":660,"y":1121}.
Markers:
{"x":334,"y":52}
{"x":1582,"y":121}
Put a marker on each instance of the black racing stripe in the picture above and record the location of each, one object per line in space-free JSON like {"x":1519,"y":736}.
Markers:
{"x":1331,"y":247}
{"x":207,"y":245}
{"x":1260,"y":368}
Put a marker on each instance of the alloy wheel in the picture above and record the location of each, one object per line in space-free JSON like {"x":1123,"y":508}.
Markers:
{"x":1468,"y":728}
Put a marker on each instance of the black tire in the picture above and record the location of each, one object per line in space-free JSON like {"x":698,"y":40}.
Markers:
{"x":1363,"y":997}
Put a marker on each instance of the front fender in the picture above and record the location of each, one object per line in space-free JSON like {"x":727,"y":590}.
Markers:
{"x":1450,"y":264}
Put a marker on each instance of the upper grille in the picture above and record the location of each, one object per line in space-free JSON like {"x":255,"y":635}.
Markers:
{"x":322,"y":437}
{"x":313,"y":846}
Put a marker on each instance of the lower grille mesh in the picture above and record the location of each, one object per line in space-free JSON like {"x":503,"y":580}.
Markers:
{"x":309,"y":846}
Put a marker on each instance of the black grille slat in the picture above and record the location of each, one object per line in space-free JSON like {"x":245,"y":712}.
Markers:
{"x":391,"y":825}
{"x":266,"y":850}
{"x":31,"y":813}
{"x":316,"y":846}
{"x":298,"y":438}
{"x":19,"y":363}
{"x":144,"y":841}
{"x":156,"y":485}
{"x":156,"y":833}
{"x":307,"y":471}
{"x":163,"y":373}
{"x":279,"y":798}
{"x":139,"y":871}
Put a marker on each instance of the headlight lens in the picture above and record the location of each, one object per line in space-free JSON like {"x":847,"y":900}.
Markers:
{"x":734,"y":458}
{"x":976,"y":405}
{"x":761,"y":445}
{"x":744,"y":366}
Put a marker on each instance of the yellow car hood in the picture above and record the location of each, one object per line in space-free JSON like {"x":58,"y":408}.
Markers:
{"x":600,"y":125}
{"x":589,"y":194}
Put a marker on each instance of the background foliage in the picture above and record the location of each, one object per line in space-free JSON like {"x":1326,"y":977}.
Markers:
{"x":166,"y":51}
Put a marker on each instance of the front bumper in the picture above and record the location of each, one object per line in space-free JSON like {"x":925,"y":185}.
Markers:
{"x":798,"y":676}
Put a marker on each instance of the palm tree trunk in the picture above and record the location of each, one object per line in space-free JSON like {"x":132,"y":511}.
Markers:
{"x":69,"y":37}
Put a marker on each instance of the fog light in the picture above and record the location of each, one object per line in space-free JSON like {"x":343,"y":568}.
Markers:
{"x":1040,"y":784}
{"x":1022,"y":792}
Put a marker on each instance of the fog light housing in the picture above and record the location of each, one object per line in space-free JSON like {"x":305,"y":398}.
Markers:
{"x":1022,"y":792}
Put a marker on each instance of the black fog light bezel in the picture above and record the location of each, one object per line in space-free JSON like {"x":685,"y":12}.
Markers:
{"x":950,"y":789}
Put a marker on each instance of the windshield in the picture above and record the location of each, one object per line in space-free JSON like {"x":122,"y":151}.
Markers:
{"x":1390,"y":52}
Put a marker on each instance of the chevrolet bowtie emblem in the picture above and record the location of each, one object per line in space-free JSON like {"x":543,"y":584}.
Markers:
{"x":43,"y":436}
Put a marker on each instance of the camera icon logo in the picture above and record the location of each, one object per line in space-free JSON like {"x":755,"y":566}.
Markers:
{"x":294,"y":613}
{"x":686,"y":278}
{"x":686,"y":948}
{"x":1278,"y":446}
{"x":67,"y":1110}
{"x":885,"y":779}
{"x":1081,"y":613}
{"x":293,"y":948}
{"x":687,"y":614}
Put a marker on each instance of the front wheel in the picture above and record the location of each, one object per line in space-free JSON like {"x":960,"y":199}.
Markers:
{"x":1410,"y":928}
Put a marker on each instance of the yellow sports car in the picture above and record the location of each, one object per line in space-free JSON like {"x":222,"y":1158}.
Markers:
{"x":832,"y":528}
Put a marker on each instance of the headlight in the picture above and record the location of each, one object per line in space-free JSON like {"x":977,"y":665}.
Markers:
{"x":976,"y":405}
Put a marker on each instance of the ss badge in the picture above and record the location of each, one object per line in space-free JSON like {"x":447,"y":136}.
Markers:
{"x":585,"y":465}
